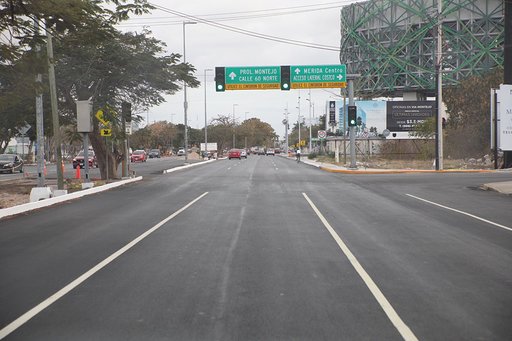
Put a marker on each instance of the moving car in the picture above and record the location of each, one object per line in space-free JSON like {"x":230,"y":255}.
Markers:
{"x":138,"y":156}
{"x":154,"y":153}
{"x":11,"y":163}
{"x":243,"y":153}
{"x":181,"y":152}
{"x":234,"y":154}
{"x":78,"y":161}
{"x":270,"y":151}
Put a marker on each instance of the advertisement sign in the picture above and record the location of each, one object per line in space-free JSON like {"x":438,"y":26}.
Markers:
{"x":505,"y":117}
{"x":371,"y":118}
{"x":405,"y":115}
{"x":332,"y":112}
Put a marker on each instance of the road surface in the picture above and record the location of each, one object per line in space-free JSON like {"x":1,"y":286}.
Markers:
{"x":264,"y":249}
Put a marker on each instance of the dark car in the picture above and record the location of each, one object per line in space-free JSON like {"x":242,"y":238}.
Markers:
{"x":11,"y":163}
{"x":154,"y":153}
{"x":78,"y":161}
{"x":234,"y":154}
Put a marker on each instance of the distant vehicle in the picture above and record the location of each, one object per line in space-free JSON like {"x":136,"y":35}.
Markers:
{"x":11,"y":163}
{"x":234,"y":154}
{"x":277,"y":151}
{"x":154,"y":153}
{"x":139,"y":156}
{"x":243,"y":153}
{"x":181,"y":152}
{"x":270,"y":151}
{"x":78,"y":161}
{"x":261,"y":151}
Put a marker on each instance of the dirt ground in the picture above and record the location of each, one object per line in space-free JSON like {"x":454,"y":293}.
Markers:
{"x":15,"y":192}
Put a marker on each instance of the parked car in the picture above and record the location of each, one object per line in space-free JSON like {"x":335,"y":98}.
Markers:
{"x":243,"y":153}
{"x":11,"y":163}
{"x":234,"y":154}
{"x":154,"y":153}
{"x":78,"y":161}
{"x":138,"y":156}
{"x":181,"y":152}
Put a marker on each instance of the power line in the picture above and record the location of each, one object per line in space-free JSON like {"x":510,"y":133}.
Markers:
{"x":235,"y":15}
{"x":247,"y":32}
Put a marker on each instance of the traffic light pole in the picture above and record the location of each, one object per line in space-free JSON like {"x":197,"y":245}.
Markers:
{"x":352,"y":128}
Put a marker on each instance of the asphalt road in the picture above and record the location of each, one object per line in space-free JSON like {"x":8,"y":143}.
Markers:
{"x":264,"y":249}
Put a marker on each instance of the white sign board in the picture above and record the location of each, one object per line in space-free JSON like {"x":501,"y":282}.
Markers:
{"x":212,"y":146}
{"x":505,"y":117}
{"x":84,"y":116}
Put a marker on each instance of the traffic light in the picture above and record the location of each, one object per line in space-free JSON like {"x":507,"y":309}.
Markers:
{"x":285,"y":77}
{"x":352,"y":115}
{"x":126,"y":111}
{"x":220,"y":78}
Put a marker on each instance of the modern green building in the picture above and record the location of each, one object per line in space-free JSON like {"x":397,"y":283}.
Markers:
{"x":392,"y":44}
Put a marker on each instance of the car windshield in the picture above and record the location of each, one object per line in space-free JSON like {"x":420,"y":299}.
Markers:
{"x":138,"y":152}
{"x":154,"y":150}
{"x":6,"y":157}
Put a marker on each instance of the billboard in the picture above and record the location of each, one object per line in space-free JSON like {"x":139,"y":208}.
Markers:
{"x":371,"y":117}
{"x":505,"y":117}
{"x":403,"y":116}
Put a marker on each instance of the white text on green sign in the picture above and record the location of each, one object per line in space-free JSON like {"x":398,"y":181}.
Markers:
{"x":240,"y":78}
{"x":318,"y":76}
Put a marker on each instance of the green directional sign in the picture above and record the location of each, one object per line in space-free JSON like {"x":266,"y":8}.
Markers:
{"x":280,"y":77}
{"x":318,"y":76}
{"x":253,"y":77}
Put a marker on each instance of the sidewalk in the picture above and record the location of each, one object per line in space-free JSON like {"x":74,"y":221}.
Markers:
{"x":504,"y":187}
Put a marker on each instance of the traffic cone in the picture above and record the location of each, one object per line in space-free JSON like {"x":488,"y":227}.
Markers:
{"x":77,"y":174}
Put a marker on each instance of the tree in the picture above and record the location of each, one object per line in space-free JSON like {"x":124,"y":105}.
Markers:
{"x":257,"y":132}
{"x":468,"y":107}
{"x":60,"y":16}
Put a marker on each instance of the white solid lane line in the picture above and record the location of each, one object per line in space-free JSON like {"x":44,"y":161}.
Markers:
{"x":59,"y":294}
{"x":461,"y":212}
{"x":402,"y":328}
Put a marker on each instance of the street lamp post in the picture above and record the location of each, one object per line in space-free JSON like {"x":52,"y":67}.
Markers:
{"x":185,"y":104}
{"x":310,"y":123}
{"x":234,"y":105}
{"x":205,"y":115}
{"x":245,"y":119}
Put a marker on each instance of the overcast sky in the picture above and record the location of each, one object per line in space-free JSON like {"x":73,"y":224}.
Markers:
{"x":208,"y":47}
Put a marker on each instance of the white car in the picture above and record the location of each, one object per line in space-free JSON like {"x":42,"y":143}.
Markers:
{"x":243,"y":153}
{"x":181,"y":152}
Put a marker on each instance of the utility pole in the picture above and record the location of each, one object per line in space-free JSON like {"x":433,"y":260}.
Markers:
{"x":39,"y":118}
{"x":507,"y":61}
{"x":55,"y":111}
{"x":439,"y":80}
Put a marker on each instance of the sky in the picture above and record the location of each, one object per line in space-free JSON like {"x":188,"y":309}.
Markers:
{"x":208,"y":47}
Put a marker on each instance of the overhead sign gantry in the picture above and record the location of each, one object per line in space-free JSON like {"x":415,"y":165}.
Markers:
{"x":280,"y":77}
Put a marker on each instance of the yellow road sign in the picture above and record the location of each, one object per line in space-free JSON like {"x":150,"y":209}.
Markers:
{"x":106,"y":132}
{"x":101,"y":118}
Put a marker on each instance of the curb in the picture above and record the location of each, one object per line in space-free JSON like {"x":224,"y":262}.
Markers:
{"x":9,"y":211}
{"x":187,"y":166}
{"x":403,"y":171}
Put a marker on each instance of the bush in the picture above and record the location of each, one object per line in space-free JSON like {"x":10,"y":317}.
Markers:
{"x":312,"y":156}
